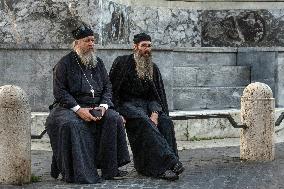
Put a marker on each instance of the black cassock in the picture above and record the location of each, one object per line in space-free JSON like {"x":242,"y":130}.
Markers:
{"x":80,"y":147}
{"x":154,"y":147}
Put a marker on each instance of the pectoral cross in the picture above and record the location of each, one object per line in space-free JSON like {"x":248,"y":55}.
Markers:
{"x":93,"y":93}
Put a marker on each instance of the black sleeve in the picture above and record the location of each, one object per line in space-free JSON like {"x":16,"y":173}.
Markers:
{"x":60,"y":86}
{"x":116,"y":78}
{"x":107,"y":89}
{"x":154,"y":106}
{"x":160,"y":90}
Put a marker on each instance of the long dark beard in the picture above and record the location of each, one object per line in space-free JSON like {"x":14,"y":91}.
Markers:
{"x":88,"y":59}
{"x":144,"y":66}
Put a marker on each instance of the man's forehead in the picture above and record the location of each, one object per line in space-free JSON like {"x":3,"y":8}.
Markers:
{"x":145,"y":42}
{"x":88,"y":38}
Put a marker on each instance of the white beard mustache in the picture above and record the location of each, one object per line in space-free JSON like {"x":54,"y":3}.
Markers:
{"x":144,"y":66}
{"x":88,"y":59}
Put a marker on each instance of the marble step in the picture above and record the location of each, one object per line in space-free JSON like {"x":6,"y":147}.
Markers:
{"x":217,"y":76}
{"x":190,"y":129}
{"x":189,"y":98}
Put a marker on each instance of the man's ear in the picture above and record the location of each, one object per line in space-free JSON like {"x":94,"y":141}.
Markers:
{"x":135,"y":46}
{"x":76,"y":42}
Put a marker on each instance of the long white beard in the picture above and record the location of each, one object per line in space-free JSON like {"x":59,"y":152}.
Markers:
{"x":88,"y":59}
{"x":144,"y":66}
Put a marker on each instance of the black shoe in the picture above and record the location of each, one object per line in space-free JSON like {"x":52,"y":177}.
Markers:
{"x":169,"y":175}
{"x":120,"y":175}
{"x":178,"y":168}
{"x":54,"y":173}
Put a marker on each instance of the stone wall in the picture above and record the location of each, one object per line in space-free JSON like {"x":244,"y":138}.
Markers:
{"x":198,"y":48}
{"x":45,"y":24}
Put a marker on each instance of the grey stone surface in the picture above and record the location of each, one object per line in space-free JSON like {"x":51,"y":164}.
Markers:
{"x":49,"y":20}
{"x":115,"y":22}
{"x":170,"y":27}
{"x":165,"y":62}
{"x":216,"y":76}
{"x":196,"y":58}
{"x":15,"y":129}
{"x":38,"y":123}
{"x":279,"y":92}
{"x":181,"y":130}
{"x":32,"y":71}
{"x":211,"y":167}
{"x":242,"y":28}
{"x":209,"y":128}
{"x":263,"y":66}
{"x":212,"y":128}
{"x":207,"y":97}
{"x":109,"y":55}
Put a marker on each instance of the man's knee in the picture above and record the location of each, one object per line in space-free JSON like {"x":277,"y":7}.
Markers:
{"x":113,"y":116}
{"x":165,"y":121}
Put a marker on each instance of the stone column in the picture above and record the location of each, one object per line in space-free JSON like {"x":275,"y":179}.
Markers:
{"x":257,"y":112}
{"x":15,"y":135}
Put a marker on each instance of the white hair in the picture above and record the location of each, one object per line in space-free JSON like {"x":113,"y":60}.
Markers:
{"x":88,"y":59}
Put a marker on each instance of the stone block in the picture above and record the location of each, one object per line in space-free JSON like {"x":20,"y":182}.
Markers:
{"x":217,"y":76}
{"x":203,"y":59}
{"x":164,"y":61}
{"x":32,"y":71}
{"x":211,"y":128}
{"x":109,"y":54}
{"x":191,"y":98}
{"x":38,"y":123}
{"x":279,"y":93}
{"x":263,"y":66}
{"x":181,"y":130}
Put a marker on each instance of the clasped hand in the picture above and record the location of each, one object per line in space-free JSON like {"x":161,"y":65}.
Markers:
{"x":84,"y":113}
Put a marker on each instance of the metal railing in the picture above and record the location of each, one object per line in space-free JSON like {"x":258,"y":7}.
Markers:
{"x":227,"y":116}
{"x":39,"y":136}
{"x":278,"y":122}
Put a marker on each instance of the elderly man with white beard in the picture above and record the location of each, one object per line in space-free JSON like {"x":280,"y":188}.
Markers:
{"x":86,"y":134}
{"x":139,"y":96}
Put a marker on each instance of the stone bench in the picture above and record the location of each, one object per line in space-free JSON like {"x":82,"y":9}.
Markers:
{"x":186,"y":129}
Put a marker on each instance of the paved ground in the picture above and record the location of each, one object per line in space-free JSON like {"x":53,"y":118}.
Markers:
{"x":208,"y":164}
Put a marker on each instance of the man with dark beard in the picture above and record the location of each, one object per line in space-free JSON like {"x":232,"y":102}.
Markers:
{"x":81,"y":141}
{"x":139,"y":96}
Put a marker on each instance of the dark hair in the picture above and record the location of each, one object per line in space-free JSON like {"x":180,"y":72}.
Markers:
{"x":141,"y":37}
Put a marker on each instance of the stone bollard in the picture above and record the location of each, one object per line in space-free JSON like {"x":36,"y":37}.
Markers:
{"x":258,"y":114}
{"x":15,"y":135}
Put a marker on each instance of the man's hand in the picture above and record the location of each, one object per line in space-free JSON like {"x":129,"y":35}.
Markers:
{"x":154,"y":117}
{"x":85,"y":114}
{"x":123,"y":120}
{"x":102,"y":109}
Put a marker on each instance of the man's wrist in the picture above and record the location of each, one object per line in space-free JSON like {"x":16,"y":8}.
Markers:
{"x":76,"y":108}
{"x":104,"y":105}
